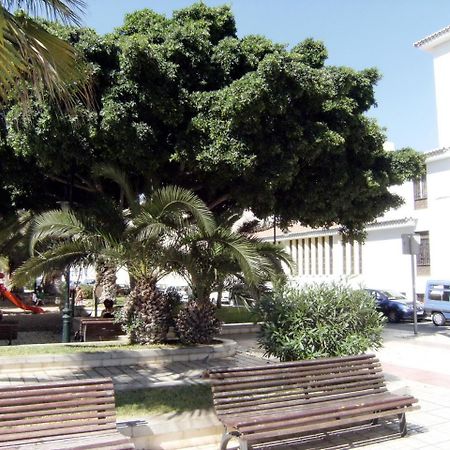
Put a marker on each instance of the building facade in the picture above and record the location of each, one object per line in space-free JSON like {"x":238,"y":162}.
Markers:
{"x":379,"y":262}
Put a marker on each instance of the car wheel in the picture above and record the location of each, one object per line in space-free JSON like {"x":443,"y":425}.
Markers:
{"x":438,"y":319}
{"x":393,"y":316}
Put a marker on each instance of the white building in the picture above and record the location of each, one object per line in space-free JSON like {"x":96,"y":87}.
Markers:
{"x":379,"y":262}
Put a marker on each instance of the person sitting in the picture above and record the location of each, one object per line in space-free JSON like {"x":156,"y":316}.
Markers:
{"x":108,"y":312}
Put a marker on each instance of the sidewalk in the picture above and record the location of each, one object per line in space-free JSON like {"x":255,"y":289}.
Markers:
{"x":419,"y":365}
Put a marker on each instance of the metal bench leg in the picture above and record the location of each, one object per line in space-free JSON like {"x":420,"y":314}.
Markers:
{"x":226,"y":437}
{"x":402,"y":424}
{"x":243,"y":445}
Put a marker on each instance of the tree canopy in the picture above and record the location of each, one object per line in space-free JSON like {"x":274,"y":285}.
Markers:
{"x":242,"y":121}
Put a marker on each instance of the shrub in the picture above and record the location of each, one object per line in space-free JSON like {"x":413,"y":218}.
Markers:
{"x":197,"y":323}
{"x":321,"y":320}
{"x":88,"y":290}
{"x":237,"y":314}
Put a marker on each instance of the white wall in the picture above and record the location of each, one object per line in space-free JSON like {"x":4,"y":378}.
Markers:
{"x":384,"y":264}
{"x":441,"y":64}
{"x":439,"y":216}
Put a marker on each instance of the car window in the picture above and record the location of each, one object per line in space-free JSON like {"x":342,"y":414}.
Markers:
{"x":393,"y":295}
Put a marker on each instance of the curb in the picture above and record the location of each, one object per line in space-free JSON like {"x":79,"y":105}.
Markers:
{"x":226,"y":348}
{"x":240,"y":328}
{"x":173,"y":431}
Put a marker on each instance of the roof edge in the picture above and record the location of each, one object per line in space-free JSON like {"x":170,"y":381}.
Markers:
{"x":427,"y":40}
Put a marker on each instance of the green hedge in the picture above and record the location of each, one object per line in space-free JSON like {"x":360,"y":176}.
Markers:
{"x":238,"y":314}
{"x":320,"y":320}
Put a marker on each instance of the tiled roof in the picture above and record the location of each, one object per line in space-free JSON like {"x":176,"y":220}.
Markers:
{"x":299,"y":231}
{"x":436,"y":152}
{"x":432,"y":37}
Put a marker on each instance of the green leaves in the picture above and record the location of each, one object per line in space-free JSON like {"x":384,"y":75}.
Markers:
{"x":243,"y":122}
{"x":320,"y":320}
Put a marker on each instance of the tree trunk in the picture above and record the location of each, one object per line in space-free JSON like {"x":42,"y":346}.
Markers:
{"x":106,"y":279}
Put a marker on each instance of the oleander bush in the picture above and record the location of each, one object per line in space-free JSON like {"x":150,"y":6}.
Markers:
{"x":319,"y":320}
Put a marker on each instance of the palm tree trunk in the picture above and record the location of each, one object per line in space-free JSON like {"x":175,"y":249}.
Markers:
{"x":106,"y":279}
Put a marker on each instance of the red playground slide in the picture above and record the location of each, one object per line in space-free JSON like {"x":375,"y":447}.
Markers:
{"x":16,"y":300}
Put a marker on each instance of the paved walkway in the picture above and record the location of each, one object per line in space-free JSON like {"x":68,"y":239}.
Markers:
{"x":419,"y":365}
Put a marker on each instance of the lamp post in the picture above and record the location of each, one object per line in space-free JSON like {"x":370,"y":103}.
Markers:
{"x":66,"y":312}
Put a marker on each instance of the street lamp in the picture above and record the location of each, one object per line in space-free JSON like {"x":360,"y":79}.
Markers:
{"x":66,"y":312}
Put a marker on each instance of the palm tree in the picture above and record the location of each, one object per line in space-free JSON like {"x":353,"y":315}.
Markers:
{"x":30,"y":53}
{"x":138,"y":238}
{"x":205,"y":258}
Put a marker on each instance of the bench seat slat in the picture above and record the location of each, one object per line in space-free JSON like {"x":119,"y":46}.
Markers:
{"x":244,"y":397}
{"x":324,"y":411}
{"x":280,"y":404}
{"x":110,"y":441}
{"x":284,"y":433}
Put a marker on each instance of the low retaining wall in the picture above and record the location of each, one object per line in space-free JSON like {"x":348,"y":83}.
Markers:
{"x":240,"y":328}
{"x":173,"y":431}
{"x":225,"y":348}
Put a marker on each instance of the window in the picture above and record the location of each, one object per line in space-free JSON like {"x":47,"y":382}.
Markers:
{"x":439,"y":292}
{"x":423,"y":258}
{"x":420,"y":192}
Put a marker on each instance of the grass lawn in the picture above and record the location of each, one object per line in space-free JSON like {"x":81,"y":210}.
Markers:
{"x":63,"y":349}
{"x":240,"y":314}
{"x":145,"y":402}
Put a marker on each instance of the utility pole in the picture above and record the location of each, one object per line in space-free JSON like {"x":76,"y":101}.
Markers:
{"x":411,"y":246}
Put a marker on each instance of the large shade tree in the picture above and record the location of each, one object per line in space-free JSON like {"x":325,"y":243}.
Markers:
{"x":244,"y":122}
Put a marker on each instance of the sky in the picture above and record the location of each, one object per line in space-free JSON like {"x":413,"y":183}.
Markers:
{"x":357,"y":33}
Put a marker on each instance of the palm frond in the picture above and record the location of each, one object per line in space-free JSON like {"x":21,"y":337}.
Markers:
{"x":13,"y":230}
{"x":67,"y":11}
{"x":57,"y":258}
{"x":114,"y":174}
{"x":30,"y":53}
{"x":174,"y":199}
{"x":56,"y":224}
{"x":275,"y":255}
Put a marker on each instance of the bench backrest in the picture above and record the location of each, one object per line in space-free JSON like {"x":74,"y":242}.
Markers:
{"x":239,"y":390}
{"x":56,"y":409}
{"x":8,"y":330}
{"x":99,"y":329}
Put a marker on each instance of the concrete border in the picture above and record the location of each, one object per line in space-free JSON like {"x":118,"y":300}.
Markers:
{"x":223,"y":349}
{"x":173,"y":431}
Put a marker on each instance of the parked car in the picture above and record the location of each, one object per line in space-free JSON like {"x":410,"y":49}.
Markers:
{"x":395,"y":306}
{"x":437,"y":301}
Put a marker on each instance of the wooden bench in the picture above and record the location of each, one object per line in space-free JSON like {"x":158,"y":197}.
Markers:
{"x":62,"y":415}
{"x":96,"y":329}
{"x":8,"y":330}
{"x":278,"y":401}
